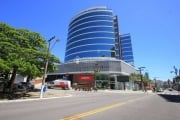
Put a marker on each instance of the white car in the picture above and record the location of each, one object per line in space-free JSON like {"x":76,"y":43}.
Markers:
{"x":159,"y":90}
{"x":50,"y":84}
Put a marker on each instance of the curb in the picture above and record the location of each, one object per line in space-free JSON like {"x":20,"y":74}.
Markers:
{"x":126,"y":92}
{"x":35,"y":99}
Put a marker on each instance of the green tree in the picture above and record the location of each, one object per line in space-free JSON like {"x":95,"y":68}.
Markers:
{"x":23,"y":52}
{"x":135,"y":77}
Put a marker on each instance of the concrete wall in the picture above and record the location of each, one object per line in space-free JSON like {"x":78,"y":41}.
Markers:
{"x":104,"y":66}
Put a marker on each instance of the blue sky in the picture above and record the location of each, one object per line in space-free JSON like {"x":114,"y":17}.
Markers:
{"x":154,"y":26}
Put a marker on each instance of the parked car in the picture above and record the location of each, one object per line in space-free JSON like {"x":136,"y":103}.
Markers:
{"x":159,"y":90}
{"x":50,"y":84}
{"x":28,"y":85}
{"x":63,"y":84}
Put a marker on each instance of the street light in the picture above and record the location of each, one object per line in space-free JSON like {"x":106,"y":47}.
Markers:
{"x":46,"y":64}
{"x":141,"y":69}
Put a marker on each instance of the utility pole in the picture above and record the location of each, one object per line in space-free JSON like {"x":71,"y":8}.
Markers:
{"x":46,"y":65}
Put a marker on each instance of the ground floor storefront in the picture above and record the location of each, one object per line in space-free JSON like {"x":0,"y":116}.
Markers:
{"x":101,"y":73}
{"x":100,"y":81}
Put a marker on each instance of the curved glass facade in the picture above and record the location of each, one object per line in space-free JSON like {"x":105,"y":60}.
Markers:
{"x":91,"y":34}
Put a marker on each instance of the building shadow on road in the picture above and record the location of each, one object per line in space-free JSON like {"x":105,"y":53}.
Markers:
{"x":171,"y":98}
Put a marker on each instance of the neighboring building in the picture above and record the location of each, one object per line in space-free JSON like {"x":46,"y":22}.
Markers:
{"x":123,"y":46}
{"x":126,"y":49}
{"x":96,"y":55}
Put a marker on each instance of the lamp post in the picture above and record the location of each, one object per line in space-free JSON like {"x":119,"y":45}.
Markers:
{"x":141,"y":69}
{"x":46,"y":65}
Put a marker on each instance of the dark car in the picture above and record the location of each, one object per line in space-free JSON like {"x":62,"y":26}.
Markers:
{"x":28,"y":85}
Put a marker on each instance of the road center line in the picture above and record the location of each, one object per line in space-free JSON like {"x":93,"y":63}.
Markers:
{"x":98,"y":110}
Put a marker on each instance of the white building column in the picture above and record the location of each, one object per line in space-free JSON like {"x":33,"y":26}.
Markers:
{"x":116,"y":82}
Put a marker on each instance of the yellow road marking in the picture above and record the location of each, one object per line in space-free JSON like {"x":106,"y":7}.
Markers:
{"x":77,"y":116}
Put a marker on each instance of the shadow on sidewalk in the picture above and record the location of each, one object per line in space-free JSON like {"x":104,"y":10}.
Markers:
{"x":171,"y":98}
{"x":20,"y":95}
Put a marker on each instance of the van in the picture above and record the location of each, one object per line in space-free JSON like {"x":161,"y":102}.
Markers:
{"x":60,"y":83}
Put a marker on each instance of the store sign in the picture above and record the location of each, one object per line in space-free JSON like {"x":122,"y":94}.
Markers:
{"x":86,"y":77}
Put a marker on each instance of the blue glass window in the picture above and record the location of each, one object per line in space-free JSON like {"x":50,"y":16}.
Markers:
{"x":92,"y":23}
{"x":129,"y":61}
{"x":117,"y":51}
{"x":91,"y":35}
{"x":127,"y":49}
{"x":126,"y":42}
{"x":125,"y":37}
{"x":117,"y":46}
{"x":90,"y":47}
{"x":91,"y":18}
{"x":92,"y":14}
{"x":91,"y":29}
{"x":125,"y":45}
{"x":126,"y":53}
{"x":128,"y":57}
{"x":91,"y":41}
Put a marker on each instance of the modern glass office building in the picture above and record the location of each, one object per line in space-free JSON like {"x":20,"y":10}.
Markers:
{"x":96,"y":53}
{"x":126,"y":49}
{"x":91,"y":34}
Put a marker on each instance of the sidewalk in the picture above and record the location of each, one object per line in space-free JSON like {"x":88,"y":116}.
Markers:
{"x":49,"y":93}
{"x":35,"y":95}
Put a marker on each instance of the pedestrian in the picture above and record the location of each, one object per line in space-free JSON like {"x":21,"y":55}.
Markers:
{"x":45,"y":88}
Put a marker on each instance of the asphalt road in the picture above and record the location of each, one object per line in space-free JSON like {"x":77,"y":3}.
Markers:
{"x":96,"y":106}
